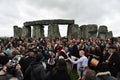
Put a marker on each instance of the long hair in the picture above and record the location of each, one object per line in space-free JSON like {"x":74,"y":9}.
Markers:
{"x":60,"y":66}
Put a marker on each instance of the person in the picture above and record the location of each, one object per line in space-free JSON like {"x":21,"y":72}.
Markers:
{"x":82,"y":64}
{"x":59,"y":72}
{"x":74,"y":51}
{"x":118,"y":75}
{"x":25,"y":61}
{"x":103,"y":65}
{"x":64,"y":54}
{"x":105,"y":76}
{"x":90,"y":75}
{"x":36,"y":70}
{"x":4,"y":72}
{"x":94,"y":55}
{"x":114,"y":60}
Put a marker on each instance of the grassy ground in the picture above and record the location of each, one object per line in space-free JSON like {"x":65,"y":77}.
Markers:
{"x":74,"y":75}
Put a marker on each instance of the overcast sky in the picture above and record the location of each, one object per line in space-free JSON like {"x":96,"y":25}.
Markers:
{"x":101,"y":12}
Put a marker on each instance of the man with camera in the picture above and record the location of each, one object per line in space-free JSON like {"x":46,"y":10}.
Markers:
{"x":4,"y":71}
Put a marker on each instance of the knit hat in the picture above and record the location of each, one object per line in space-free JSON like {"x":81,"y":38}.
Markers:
{"x":32,"y":50}
{"x":4,"y":60}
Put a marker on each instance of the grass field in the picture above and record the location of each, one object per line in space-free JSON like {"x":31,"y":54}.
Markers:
{"x":74,"y":75}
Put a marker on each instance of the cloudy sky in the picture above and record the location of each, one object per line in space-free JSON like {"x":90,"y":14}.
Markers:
{"x":101,"y":12}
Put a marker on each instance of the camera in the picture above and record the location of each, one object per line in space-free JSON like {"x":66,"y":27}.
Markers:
{"x":12,"y":68}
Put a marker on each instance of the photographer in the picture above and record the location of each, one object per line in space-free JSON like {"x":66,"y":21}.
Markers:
{"x":35,"y":70}
{"x":4,"y":71}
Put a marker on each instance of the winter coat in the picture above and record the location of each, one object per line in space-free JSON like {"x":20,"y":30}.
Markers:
{"x":35,"y":71}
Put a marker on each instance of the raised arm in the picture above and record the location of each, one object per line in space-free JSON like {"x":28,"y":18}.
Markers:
{"x":75,"y":62}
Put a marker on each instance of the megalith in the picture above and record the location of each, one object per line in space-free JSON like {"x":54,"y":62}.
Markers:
{"x":73,"y":31}
{"x":102,"y":32}
{"x":91,"y":31}
{"x":38,"y":31}
{"x":17,"y":31}
{"x":110,"y":34}
{"x":83,"y":30}
{"x":26,"y":31}
{"x":53,"y":31}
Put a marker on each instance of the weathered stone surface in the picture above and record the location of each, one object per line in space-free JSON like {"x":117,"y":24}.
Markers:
{"x":17,"y":31}
{"x":91,"y":31}
{"x":88,"y":31}
{"x":103,"y":29}
{"x":73,"y":31}
{"x":110,"y":34}
{"x":80,"y":33}
{"x":102,"y":32}
{"x":83,"y":30}
{"x":47,"y":22}
{"x":53,"y":31}
{"x":38,"y":31}
{"x":26,"y":32}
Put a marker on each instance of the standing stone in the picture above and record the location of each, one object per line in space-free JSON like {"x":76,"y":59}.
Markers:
{"x":26,"y":32}
{"x":38,"y":31}
{"x":83,"y":29}
{"x":17,"y":31}
{"x":80,"y":33}
{"x":102,"y":32}
{"x":73,"y":31}
{"x":91,"y":31}
{"x":110,"y":34}
{"x":53,"y":31}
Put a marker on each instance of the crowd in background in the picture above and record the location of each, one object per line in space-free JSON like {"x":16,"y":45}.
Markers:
{"x":51,"y":59}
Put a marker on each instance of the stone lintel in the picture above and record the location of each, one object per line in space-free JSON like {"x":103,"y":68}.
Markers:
{"x":47,"y":22}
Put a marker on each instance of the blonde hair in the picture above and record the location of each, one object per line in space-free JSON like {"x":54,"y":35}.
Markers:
{"x":82,"y":51}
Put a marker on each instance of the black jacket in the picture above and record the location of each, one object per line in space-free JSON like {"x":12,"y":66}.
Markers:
{"x":35,"y":71}
{"x":60,"y":75}
{"x":25,"y":62}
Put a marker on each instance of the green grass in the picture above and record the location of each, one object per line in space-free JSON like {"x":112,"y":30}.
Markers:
{"x":74,"y":75}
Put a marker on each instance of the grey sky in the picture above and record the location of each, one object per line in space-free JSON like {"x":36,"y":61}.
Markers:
{"x":101,"y":12}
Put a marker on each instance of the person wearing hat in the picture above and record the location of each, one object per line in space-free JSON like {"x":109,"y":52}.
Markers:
{"x":4,"y":73}
{"x":29,"y":57}
{"x":114,"y":60}
{"x":35,"y":70}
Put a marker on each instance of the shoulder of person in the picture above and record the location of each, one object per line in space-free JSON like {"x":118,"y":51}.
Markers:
{"x":7,"y":77}
{"x":37,"y":66}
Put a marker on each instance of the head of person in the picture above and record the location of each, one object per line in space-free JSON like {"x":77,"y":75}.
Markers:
{"x":14,"y":53}
{"x":4,"y":61}
{"x":66,"y":49}
{"x":31,"y":52}
{"x":73,"y":41}
{"x":81,"y":52}
{"x":93,"y":48}
{"x":61,"y":65}
{"x":104,"y":52}
{"x":90,"y":75}
{"x":38,"y":57}
{"x":112,"y":48}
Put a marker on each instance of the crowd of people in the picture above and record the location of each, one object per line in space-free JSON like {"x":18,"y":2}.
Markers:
{"x":54,"y":59}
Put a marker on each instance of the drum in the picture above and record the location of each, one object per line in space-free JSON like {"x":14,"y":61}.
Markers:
{"x":94,"y":62}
